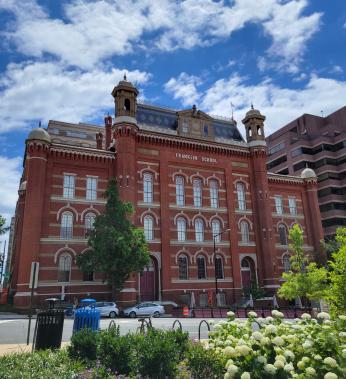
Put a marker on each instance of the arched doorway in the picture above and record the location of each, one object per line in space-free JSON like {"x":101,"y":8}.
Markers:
{"x":248,"y":272}
{"x":149,"y":282}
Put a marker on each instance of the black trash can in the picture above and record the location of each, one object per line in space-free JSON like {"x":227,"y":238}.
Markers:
{"x":49,"y":327}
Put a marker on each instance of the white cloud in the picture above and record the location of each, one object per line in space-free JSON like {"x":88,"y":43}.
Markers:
{"x":184,"y":88}
{"x":336,"y":69}
{"x":10,"y":173}
{"x":280,"y":105}
{"x":94,"y":31}
{"x":43,"y":91}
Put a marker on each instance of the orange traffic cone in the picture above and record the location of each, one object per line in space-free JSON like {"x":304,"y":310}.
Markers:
{"x":186,"y":312}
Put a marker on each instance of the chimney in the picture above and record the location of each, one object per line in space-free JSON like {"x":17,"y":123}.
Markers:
{"x":99,"y":138}
{"x":108,"y":127}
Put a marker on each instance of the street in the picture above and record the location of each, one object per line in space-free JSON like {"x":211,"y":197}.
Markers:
{"x":14,"y":330}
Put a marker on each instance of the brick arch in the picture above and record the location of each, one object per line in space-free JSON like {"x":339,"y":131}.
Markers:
{"x":213,"y":177}
{"x":89,"y":210}
{"x":184,"y":252}
{"x":149,"y":170}
{"x":67,"y":207}
{"x":149,"y":212}
{"x":242,"y":181}
{"x":217,"y":217}
{"x":205,"y":255}
{"x":221,"y":254}
{"x":199,"y":215}
{"x":198,"y":176}
{"x":244,"y":218}
{"x":281,"y":222}
{"x":180,"y":173}
{"x":184,"y":215}
{"x":65,"y":249}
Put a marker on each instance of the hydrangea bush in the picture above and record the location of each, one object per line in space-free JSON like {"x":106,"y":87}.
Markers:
{"x":274,"y":348}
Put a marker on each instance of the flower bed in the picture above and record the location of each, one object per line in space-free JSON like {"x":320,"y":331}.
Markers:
{"x":274,"y":348}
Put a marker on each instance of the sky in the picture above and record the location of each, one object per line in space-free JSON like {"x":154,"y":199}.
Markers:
{"x":59,"y":60}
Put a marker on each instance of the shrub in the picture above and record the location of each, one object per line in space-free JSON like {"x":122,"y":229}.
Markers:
{"x":204,"y":363}
{"x":39,"y":365}
{"x":84,"y":345}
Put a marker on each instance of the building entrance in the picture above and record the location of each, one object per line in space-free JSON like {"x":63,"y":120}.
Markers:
{"x":148,"y":282}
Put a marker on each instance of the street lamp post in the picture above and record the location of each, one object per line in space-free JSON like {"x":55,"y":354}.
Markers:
{"x":214,"y":238}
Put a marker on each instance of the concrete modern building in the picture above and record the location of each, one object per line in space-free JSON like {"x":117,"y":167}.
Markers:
{"x":193,"y":181}
{"x":318,"y":143}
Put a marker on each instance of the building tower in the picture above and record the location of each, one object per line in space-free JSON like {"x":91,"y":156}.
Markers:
{"x":254,"y":126}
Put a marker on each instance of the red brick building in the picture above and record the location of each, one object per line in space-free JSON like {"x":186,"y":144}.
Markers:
{"x":190,"y":177}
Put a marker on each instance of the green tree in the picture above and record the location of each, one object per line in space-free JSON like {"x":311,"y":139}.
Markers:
{"x":118,"y":248}
{"x":336,"y":293}
{"x":3,"y":229}
{"x":303,"y":280}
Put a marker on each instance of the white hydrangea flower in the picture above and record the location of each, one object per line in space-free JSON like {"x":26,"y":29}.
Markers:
{"x":265,"y":341}
{"x":310,"y":371}
{"x":323,"y":316}
{"x":343,"y":352}
{"x":330,"y":375}
{"x":257,"y":335}
{"x":229,"y":362}
{"x":305,"y":316}
{"x":330,"y":361}
{"x":252,"y":314}
{"x":342,"y":317}
{"x":232,"y":369}
{"x":229,"y":351}
{"x":327,"y":322}
{"x":245,"y":375}
{"x":306,"y":359}
{"x":261,"y":359}
{"x":288,"y":367}
{"x":342,"y":334}
{"x":277,"y":314}
{"x":269,"y":319}
{"x":289,"y":354}
{"x":301,"y":365}
{"x":307,"y":344}
{"x":269,"y":368}
{"x":230,"y":314}
{"x":243,"y":349}
{"x":317,"y":357}
{"x":241,"y":342}
{"x":271,"y":329}
{"x":279,"y":364}
{"x":227,"y":376}
{"x":278,"y":341}
{"x":280,"y":358}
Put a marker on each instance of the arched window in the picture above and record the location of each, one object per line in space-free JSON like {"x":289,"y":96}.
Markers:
{"x":66,"y":228}
{"x":215,"y":227}
{"x":183,"y":267}
{"x":181,"y":226}
{"x":197,"y":192}
{"x":283,"y":234}
{"x":179,"y":190}
{"x":241,"y":196}
{"x":127,"y":105}
{"x":148,"y":228}
{"x":199,"y":230}
{"x":259,"y":130}
{"x":214,"y":194}
{"x":244,"y":229}
{"x":286,"y":263}
{"x":147,"y":188}
{"x":218,"y":267}
{"x":89,"y":223}
{"x":64,"y":270}
{"x":201,"y":272}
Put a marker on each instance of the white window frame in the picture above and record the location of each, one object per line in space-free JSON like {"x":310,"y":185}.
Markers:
{"x":214,"y":194}
{"x":91,"y":188}
{"x":286,"y":262}
{"x":89,"y":220}
{"x":216,"y":229}
{"x":180,"y":190}
{"x":66,"y":226}
{"x":241,"y":196}
{"x":181,"y":229}
{"x":64,"y":267}
{"x":292,"y":203}
{"x":69,"y":186}
{"x":278,"y":205}
{"x":199,"y":230}
{"x":197,"y":192}
{"x":148,"y":228}
{"x":244,"y":230}
{"x":147,"y":188}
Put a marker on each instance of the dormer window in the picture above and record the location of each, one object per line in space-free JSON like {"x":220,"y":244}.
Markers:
{"x":205,"y":130}
{"x":185,"y":127}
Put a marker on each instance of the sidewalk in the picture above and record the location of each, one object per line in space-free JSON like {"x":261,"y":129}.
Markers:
{"x":13,"y":316}
{"x":19,"y":348}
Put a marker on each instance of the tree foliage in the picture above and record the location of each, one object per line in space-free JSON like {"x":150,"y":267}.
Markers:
{"x":3,"y":229}
{"x":118,"y":248}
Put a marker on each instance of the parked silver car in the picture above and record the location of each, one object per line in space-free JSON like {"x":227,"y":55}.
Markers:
{"x":145,"y":309}
{"x":108,"y":309}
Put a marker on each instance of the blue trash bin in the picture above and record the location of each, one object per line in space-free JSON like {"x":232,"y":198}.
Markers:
{"x":86,"y":317}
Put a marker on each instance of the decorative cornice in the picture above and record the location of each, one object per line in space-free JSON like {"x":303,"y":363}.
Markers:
{"x":78,"y":152}
{"x":285,"y":179}
{"x":191,"y":144}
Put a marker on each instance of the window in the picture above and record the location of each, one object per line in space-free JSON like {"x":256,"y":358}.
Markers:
{"x":203,"y":300}
{"x":293,"y":205}
{"x":127,"y":105}
{"x":91,"y":192}
{"x":88,"y":276}
{"x":147,"y":188}
{"x":69,"y":186}
{"x":215,"y":227}
{"x":197,"y":192}
{"x":66,"y":228}
{"x":185,"y":128}
{"x":218,"y":267}
{"x":286,"y":263}
{"x":278,"y":204}
{"x":89,"y":223}
{"x":241,"y":197}
{"x":181,"y":226}
{"x":183,"y":267}
{"x":283,"y":234}
{"x":148,"y":228}
{"x":199,"y":230}
{"x":179,"y":190}
{"x":205,"y":130}
{"x":201,"y":268}
{"x":214,"y":194}
{"x":64,"y":271}
{"x":244,"y":229}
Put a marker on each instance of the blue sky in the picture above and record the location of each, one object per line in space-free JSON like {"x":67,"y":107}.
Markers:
{"x":60,"y":60}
